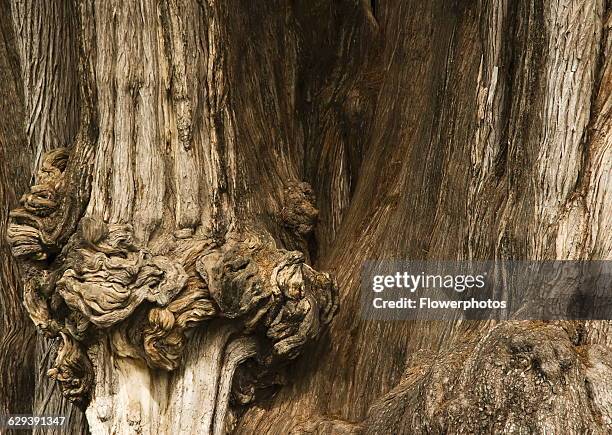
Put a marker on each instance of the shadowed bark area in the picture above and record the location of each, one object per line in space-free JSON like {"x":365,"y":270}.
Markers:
{"x":478,"y":149}
{"x":16,"y":331}
{"x":212,"y":161}
{"x":45,"y":41}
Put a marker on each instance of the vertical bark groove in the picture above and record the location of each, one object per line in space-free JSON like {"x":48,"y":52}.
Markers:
{"x":218,"y":154}
{"x":17,"y":333}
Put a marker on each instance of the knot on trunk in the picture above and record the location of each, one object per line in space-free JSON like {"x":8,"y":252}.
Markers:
{"x":519,"y":376}
{"x":97,"y":281}
{"x":270,"y":294}
{"x":29,"y":232}
{"x":270,"y":290}
{"x":107,"y":276}
{"x":299,"y":212}
{"x":72,"y":369}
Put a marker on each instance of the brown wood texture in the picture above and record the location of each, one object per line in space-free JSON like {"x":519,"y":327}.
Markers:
{"x":216,"y":134}
{"x":16,"y":331}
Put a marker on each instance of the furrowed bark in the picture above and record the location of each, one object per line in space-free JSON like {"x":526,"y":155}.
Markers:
{"x":168,"y":230}
{"x":17,"y":336}
{"x":198,"y":162}
{"x":495,"y":95}
{"x":47,"y":42}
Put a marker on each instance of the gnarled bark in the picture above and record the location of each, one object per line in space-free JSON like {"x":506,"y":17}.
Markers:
{"x":200,"y":163}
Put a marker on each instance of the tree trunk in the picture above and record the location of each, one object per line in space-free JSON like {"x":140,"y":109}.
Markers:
{"x":16,"y":331}
{"x":210,"y":177}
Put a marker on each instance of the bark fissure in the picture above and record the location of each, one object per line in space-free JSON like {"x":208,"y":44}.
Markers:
{"x":198,"y":162}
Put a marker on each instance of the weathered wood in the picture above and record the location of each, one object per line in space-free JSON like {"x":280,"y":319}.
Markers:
{"x":16,"y":331}
{"x":477,"y":107}
{"x":221,"y":153}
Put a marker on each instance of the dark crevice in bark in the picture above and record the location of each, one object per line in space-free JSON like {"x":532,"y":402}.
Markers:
{"x":526,"y":91}
{"x":583,"y":174}
{"x":16,"y":331}
{"x":380,"y":129}
{"x":509,"y":65}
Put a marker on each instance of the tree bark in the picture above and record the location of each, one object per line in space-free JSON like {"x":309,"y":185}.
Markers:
{"x":17,"y":332}
{"x":199,"y":164}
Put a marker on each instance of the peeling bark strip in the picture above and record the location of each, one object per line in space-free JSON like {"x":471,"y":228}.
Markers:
{"x":194,"y":164}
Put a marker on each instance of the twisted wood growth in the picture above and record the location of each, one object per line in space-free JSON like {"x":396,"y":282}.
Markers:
{"x":72,"y":369}
{"x":102,"y":285}
{"x":30,"y":233}
{"x":208,"y":158}
{"x":107,"y":276}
